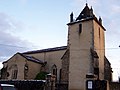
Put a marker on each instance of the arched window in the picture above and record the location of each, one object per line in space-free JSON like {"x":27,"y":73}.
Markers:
{"x":54,"y":70}
{"x":14,"y":71}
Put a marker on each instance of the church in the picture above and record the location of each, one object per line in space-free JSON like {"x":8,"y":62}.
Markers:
{"x":82,"y":59}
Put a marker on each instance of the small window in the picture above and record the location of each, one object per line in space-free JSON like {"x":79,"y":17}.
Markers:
{"x":80,"y":28}
{"x":14,"y":70}
{"x":96,"y":71}
{"x":99,"y":32}
{"x":54,"y":70}
{"x":14,"y":74}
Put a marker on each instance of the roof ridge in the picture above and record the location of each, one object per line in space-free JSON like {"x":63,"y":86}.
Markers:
{"x":46,"y":50}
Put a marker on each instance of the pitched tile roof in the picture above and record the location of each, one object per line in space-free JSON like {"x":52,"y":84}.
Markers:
{"x":46,"y":50}
{"x":86,"y":13}
{"x":31,"y":58}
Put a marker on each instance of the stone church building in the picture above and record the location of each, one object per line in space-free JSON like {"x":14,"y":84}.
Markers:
{"x":82,"y":58}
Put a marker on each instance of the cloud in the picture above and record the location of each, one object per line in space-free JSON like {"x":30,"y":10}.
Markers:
{"x":8,"y":24}
{"x":9,"y":42}
{"x":4,"y":23}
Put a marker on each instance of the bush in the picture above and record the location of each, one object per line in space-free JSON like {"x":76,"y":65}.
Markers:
{"x":41,"y":76}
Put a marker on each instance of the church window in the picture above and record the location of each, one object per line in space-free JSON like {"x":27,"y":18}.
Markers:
{"x":96,"y":71}
{"x":54,"y":70}
{"x":60,"y":74}
{"x":80,"y":28}
{"x":14,"y":74}
{"x":99,"y":32}
{"x":14,"y":70}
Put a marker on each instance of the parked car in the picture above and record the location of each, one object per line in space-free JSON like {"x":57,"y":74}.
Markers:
{"x":7,"y":87}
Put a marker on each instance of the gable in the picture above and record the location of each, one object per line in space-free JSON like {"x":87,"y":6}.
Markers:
{"x":14,"y":58}
{"x":18,"y":57}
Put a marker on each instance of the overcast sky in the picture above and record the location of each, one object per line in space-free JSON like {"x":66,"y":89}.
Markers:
{"x":27,"y":25}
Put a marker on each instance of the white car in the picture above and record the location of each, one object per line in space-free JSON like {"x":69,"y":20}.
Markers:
{"x":7,"y":87}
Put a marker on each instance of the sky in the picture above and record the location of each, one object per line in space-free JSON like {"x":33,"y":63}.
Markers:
{"x":27,"y":25}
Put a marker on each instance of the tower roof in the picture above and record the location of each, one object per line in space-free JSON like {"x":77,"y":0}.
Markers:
{"x":86,"y":13}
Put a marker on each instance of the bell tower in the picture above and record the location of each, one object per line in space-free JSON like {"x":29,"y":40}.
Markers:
{"x":86,"y":46}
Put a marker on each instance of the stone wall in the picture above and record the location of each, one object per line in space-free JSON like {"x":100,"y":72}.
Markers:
{"x":114,"y":86}
{"x":65,"y":67}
